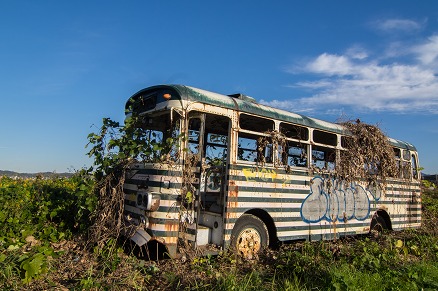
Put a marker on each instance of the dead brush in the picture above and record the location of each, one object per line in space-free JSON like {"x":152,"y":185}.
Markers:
{"x":369,"y":155}
{"x":108,"y":220}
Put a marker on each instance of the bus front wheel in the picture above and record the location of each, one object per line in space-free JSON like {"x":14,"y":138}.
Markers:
{"x":378,"y":224}
{"x":249,"y":236}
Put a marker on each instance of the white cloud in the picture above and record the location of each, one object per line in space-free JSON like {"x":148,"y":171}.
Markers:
{"x":329,"y":65}
{"x":357,"y":52}
{"x":364,"y":84}
{"x":402,"y":25}
{"x":312,"y":85}
{"x":427,"y":52}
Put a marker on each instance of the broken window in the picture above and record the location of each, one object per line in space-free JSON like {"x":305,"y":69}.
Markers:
{"x":255,"y":147}
{"x":295,"y":154}
{"x":194,"y":133}
{"x":255,"y":123}
{"x":247,"y":149}
{"x":252,"y":149}
{"x":216,"y":141}
{"x":158,"y":135}
{"x":324,"y":158}
{"x":294,"y":131}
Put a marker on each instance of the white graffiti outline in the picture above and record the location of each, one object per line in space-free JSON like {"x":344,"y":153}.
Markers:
{"x":331,"y":200}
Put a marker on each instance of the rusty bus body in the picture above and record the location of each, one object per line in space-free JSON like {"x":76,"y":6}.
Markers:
{"x":232,"y":198}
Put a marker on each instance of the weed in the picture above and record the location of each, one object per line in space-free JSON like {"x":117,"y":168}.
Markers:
{"x":29,"y":256}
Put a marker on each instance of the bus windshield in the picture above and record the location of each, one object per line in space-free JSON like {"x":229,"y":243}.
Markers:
{"x":158,"y":135}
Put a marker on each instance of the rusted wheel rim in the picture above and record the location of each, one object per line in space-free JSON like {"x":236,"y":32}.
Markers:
{"x":249,"y":243}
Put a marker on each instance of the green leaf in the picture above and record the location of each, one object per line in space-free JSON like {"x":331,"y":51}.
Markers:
{"x":2,"y":258}
{"x":189,"y":197}
{"x":33,"y":266}
{"x":13,"y":247}
{"x":53,"y":213}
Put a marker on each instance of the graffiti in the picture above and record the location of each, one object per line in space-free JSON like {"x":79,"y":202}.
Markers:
{"x":332,"y":200}
{"x":260,"y":175}
{"x":214,"y":181}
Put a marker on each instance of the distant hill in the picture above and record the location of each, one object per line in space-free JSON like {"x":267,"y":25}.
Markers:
{"x":33,"y":175}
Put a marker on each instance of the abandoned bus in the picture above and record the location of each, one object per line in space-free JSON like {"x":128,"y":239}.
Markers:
{"x":216,"y":175}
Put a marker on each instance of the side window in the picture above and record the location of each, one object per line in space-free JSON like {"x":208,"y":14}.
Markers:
{"x":324,"y":158}
{"x":294,"y":131}
{"x":397,"y":156}
{"x":194,"y":133}
{"x":406,"y":165}
{"x":255,"y":123}
{"x":248,"y":148}
{"x":325,"y":138}
{"x":347,"y":142}
{"x":254,"y":145}
{"x":295,"y":155}
{"x":414,"y":166}
{"x":397,"y":153}
{"x":406,"y":170}
{"x":406,"y":155}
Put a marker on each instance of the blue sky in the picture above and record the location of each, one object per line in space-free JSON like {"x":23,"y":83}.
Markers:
{"x":64,"y":65}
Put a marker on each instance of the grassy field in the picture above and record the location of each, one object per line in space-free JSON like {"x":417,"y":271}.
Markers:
{"x":43,"y":246}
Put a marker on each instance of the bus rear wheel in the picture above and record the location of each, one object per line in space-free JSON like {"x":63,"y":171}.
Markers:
{"x":249,"y":236}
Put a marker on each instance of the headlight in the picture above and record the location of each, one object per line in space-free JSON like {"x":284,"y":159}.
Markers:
{"x":148,"y":200}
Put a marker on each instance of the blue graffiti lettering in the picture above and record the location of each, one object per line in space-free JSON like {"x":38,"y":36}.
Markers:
{"x":332,"y":200}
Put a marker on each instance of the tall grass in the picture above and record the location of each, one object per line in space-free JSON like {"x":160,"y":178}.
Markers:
{"x":37,"y":256}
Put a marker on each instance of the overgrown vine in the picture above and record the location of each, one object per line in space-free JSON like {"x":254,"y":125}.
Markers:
{"x":279,"y":145}
{"x":112,"y":152}
{"x":369,"y":155}
{"x":115,"y":148}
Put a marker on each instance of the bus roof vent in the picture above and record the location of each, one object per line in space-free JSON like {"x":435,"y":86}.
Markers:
{"x":243,"y":97}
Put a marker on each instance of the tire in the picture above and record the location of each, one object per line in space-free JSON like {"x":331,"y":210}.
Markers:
{"x":378,"y":224}
{"x":249,"y":236}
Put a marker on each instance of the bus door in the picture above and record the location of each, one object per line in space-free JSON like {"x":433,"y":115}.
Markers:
{"x":208,"y":147}
{"x":413,"y":205}
{"x":213,"y":177}
{"x":193,"y":153}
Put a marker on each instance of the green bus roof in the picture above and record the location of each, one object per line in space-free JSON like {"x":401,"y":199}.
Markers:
{"x":247,"y":104}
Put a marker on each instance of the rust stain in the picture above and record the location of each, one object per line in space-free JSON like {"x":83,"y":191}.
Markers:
{"x":233,"y":189}
{"x":155,"y":202}
{"x":233,"y":193}
{"x":171,"y":225}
